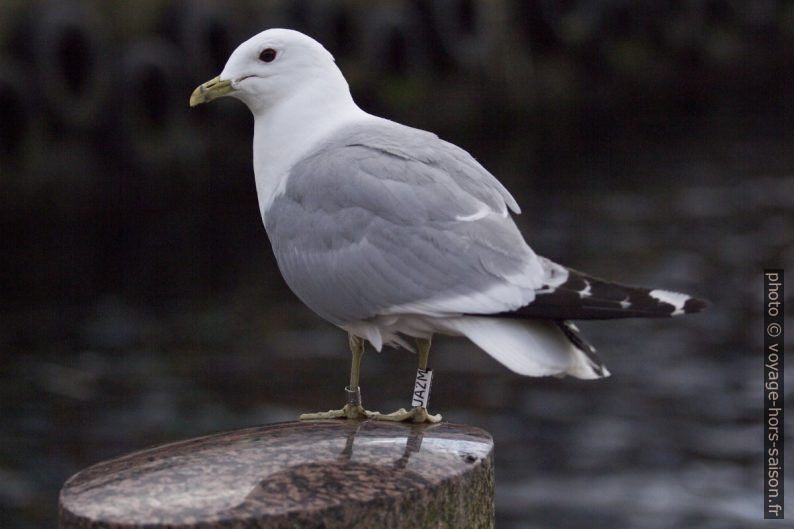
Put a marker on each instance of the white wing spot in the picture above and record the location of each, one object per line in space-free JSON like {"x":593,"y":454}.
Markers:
{"x":625,"y":304}
{"x":676,"y":299}
{"x":585,"y":292}
{"x":477,"y":215}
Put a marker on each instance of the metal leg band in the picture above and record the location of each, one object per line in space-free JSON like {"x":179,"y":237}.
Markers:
{"x":353,"y":396}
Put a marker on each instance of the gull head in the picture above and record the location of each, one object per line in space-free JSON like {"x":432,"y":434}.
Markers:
{"x":270,"y":67}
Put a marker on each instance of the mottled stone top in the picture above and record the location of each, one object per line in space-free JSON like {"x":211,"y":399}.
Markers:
{"x":298,"y":474}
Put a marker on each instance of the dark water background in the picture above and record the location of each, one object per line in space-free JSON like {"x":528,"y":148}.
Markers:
{"x":141,"y":303}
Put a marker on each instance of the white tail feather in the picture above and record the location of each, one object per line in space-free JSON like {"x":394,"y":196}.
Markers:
{"x":528,"y":347}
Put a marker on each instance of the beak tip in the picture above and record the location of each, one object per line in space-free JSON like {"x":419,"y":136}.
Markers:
{"x":196,"y":98}
{"x":210,"y":90}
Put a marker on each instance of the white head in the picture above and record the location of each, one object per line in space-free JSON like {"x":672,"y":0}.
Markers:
{"x":271,"y":67}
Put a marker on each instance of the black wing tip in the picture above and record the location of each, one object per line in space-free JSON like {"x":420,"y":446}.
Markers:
{"x":636,"y":303}
{"x":573,"y":335}
{"x":695,"y":305}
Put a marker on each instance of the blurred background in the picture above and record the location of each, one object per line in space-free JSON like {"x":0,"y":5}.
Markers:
{"x":647,"y":142}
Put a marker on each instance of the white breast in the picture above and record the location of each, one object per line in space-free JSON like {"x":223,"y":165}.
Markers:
{"x":289,"y":131}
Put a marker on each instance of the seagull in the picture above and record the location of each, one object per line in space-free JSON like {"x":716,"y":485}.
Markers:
{"x":395,"y":235}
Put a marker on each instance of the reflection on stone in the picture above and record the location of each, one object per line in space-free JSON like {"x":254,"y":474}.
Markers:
{"x":342,"y":469}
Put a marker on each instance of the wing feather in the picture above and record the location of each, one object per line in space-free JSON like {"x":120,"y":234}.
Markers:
{"x":368,"y":225}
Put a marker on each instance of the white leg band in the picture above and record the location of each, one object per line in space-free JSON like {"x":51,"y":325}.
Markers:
{"x":421,"y":396}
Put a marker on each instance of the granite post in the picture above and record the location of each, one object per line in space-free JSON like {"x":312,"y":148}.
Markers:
{"x":318,"y":474}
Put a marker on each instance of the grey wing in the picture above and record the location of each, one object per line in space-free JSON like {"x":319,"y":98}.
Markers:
{"x":387,"y":220}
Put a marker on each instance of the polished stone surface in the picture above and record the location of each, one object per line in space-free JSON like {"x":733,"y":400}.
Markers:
{"x":330,"y":474}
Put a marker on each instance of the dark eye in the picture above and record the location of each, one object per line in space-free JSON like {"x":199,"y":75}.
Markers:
{"x":267,"y":55}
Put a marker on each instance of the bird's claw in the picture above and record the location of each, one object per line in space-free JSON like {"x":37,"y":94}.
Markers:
{"x":417,"y":415}
{"x":349,"y":411}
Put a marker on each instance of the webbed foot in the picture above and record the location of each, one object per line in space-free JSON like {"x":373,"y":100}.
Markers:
{"x":348,"y":412}
{"x":418,"y":414}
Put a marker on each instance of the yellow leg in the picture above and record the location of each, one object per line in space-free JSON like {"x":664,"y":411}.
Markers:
{"x":357,"y":348}
{"x":424,"y":352}
{"x":353,"y":408}
{"x":418,"y":413}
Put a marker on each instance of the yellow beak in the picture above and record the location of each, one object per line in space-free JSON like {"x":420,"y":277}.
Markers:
{"x":213,"y":89}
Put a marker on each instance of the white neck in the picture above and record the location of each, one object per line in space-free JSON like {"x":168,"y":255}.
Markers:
{"x":285,"y":132}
